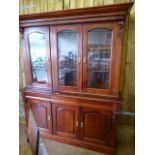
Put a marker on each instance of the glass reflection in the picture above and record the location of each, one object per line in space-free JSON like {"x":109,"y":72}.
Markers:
{"x":99,"y":54}
{"x":37,"y":45}
{"x":67,"y":53}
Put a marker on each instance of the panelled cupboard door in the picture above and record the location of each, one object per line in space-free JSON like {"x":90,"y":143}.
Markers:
{"x":95,"y":125}
{"x":37,"y":56}
{"x":66,"y":48}
{"x":42,"y":114}
{"x":101,"y":55}
{"x":65,"y":120}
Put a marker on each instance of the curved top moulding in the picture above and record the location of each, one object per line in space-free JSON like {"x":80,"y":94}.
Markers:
{"x":116,"y":12}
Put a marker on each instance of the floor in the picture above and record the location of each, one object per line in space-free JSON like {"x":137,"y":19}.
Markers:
{"x":125,"y":147}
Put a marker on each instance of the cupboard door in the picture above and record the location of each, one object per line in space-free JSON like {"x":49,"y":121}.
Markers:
{"x":65,"y":120}
{"x":99,"y":54}
{"x":42,"y":114}
{"x":66,"y":56}
{"x":37,"y":56}
{"x":95,"y":125}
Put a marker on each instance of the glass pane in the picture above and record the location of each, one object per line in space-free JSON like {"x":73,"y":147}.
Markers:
{"x":99,"y":57}
{"x":37,"y":45}
{"x":67,"y":53}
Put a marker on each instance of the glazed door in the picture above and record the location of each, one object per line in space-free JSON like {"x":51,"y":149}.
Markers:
{"x":66,"y":55}
{"x":65,"y":121}
{"x":100,"y":58}
{"x":42,"y":114}
{"x":95,"y":125}
{"x":37,"y":56}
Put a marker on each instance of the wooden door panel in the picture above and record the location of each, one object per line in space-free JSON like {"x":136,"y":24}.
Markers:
{"x":66,"y":66}
{"x":100,"y":50}
{"x":68,"y":119}
{"x":96,"y":124}
{"x":65,"y":118}
{"x":42,"y":114}
{"x":37,"y":64}
{"x":41,"y":110}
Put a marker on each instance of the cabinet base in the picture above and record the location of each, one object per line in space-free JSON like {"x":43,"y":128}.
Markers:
{"x":99,"y":148}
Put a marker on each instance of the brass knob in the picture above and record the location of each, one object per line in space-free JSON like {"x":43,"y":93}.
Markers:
{"x":81,"y":125}
{"x":77,"y":124}
{"x":84,"y":59}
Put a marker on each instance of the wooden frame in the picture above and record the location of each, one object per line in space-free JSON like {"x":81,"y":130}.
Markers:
{"x":27,"y":60}
{"x":115,"y":58}
{"x":54,"y":31}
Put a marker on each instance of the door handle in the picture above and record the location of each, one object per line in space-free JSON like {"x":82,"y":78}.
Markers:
{"x":76,"y":123}
{"x":49,"y":118}
{"x":84,"y":59}
{"x":81,"y":125}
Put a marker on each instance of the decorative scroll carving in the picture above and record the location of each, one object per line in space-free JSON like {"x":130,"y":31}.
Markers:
{"x":120,"y":27}
{"x":120,"y":24}
{"x":21,"y":30}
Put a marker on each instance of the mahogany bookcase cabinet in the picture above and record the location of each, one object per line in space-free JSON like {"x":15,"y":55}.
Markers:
{"x":72,"y":64}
